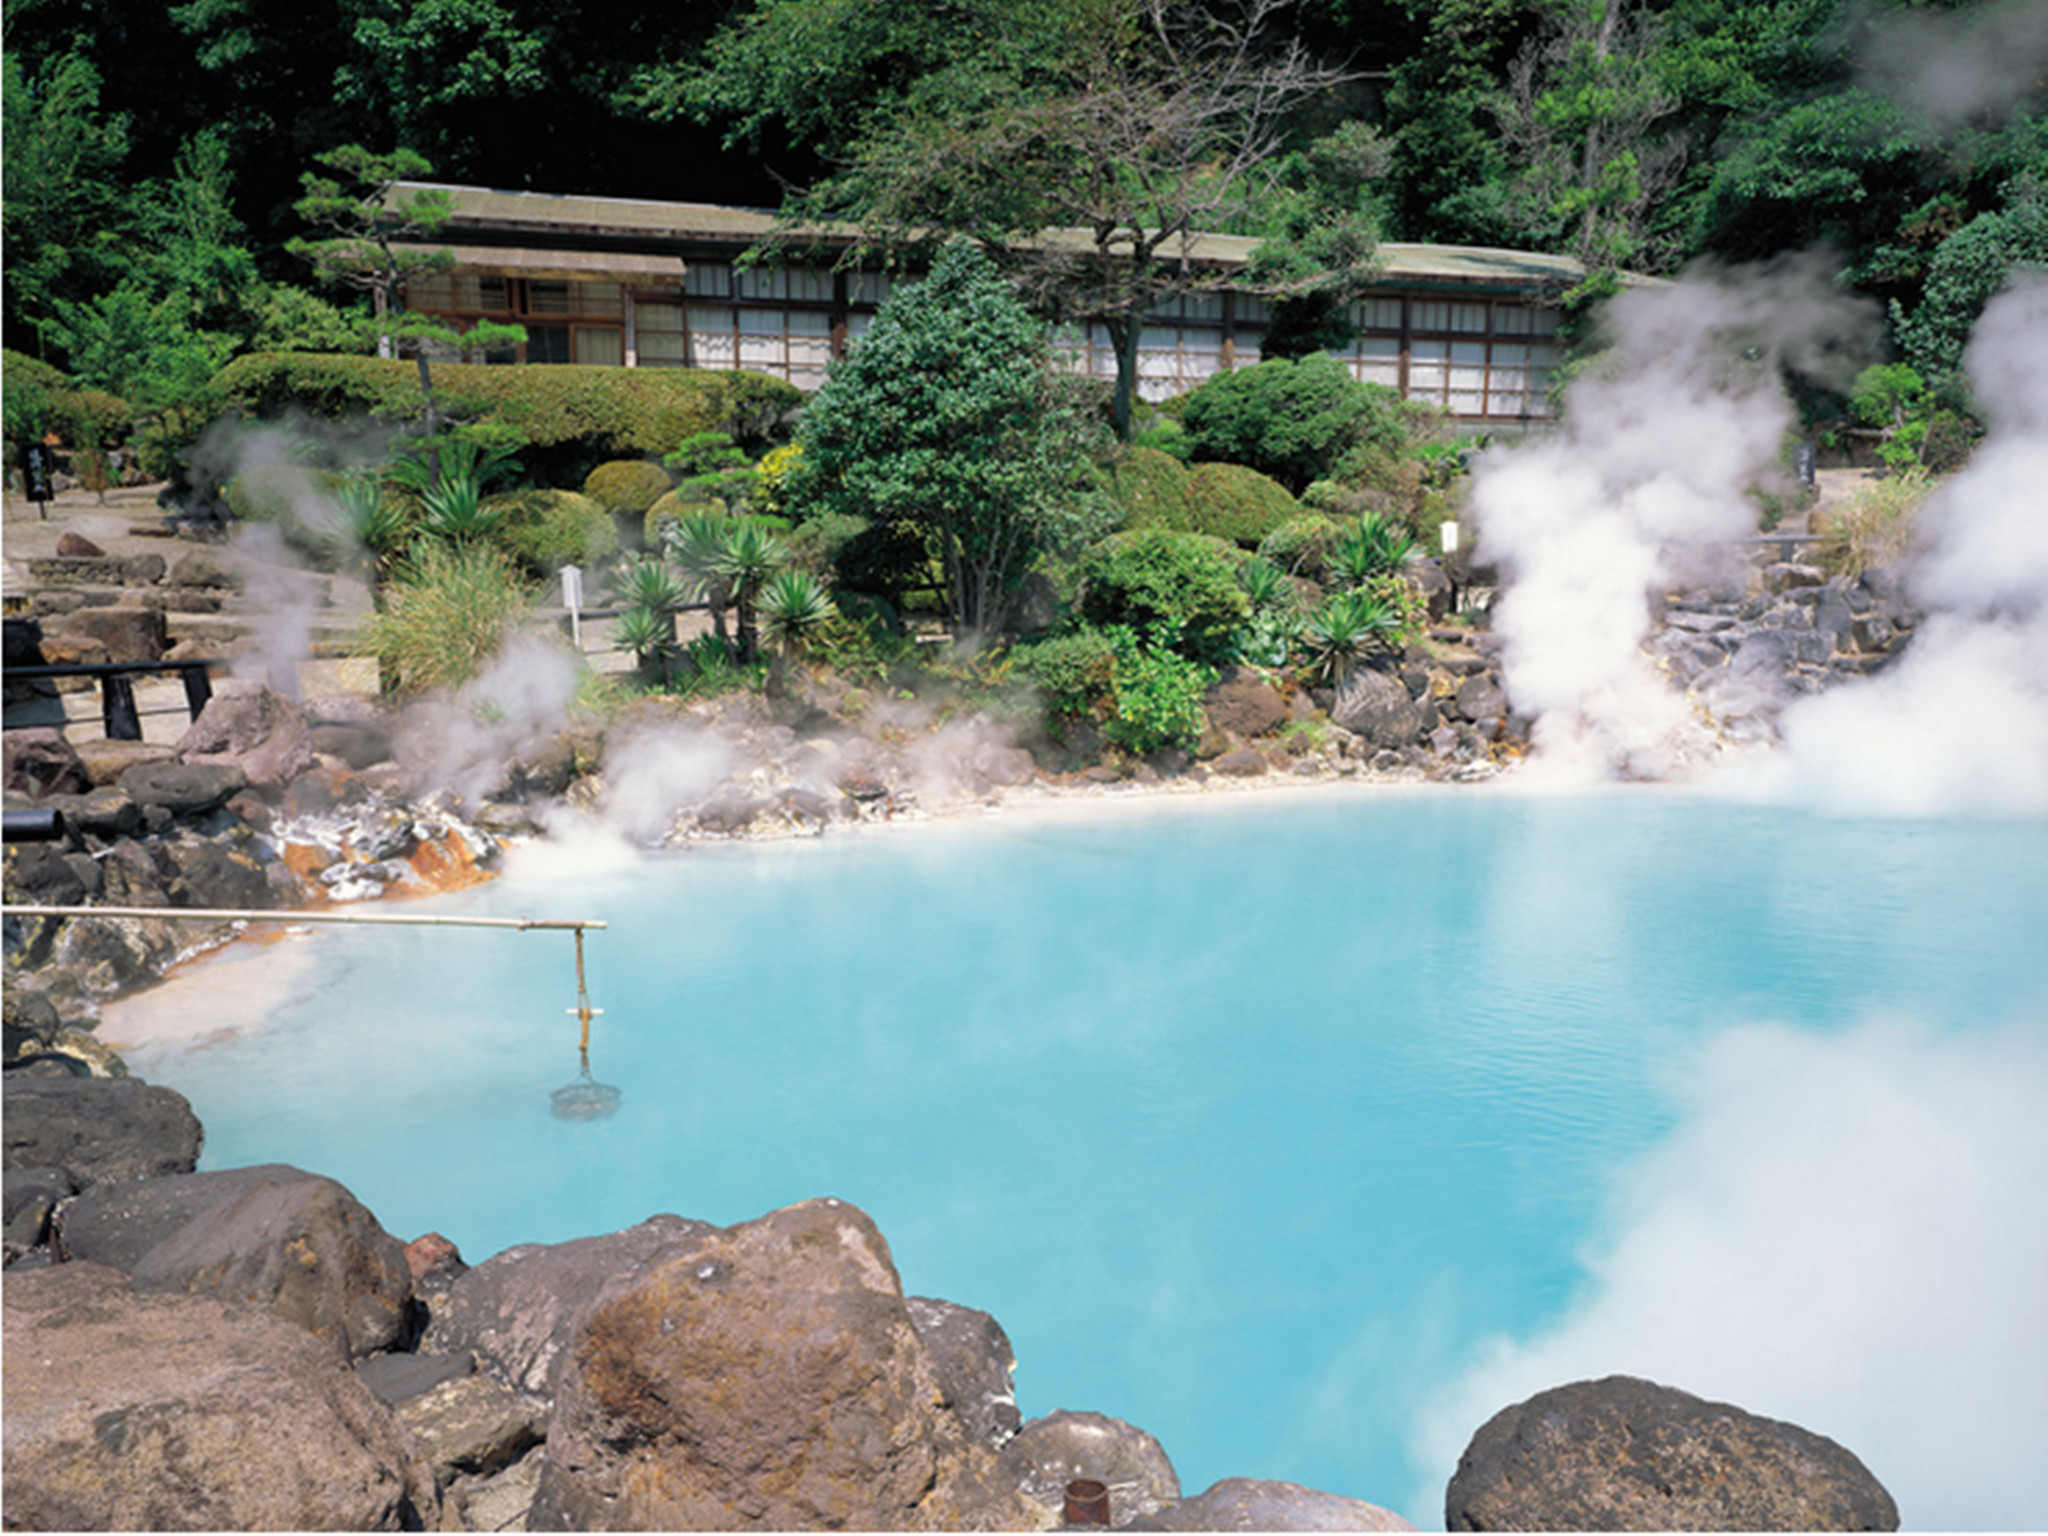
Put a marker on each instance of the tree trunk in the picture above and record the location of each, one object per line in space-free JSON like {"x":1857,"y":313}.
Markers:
{"x":1124,"y":331}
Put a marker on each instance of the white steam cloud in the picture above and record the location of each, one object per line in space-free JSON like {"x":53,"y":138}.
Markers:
{"x":511,"y":712}
{"x":1845,"y":1233}
{"x":1642,"y":488}
{"x":1955,"y":65}
{"x":1960,"y":723}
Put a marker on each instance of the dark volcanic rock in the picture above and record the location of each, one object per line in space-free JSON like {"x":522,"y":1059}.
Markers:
{"x":248,"y":726}
{"x":271,"y":1236}
{"x":1621,"y":1454}
{"x":394,"y":1378}
{"x":973,"y":1357}
{"x":768,"y":1377}
{"x":153,"y":1413}
{"x":183,"y":789}
{"x":471,"y":1426}
{"x":1244,"y":703}
{"x":129,"y":634}
{"x":517,"y":1311}
{"x":103,"y":1129}
{"x":31,"y":1194}
{"x":1253,"y":1504}
{"x":1375,"y":706}
{"x":1051,"y":1452}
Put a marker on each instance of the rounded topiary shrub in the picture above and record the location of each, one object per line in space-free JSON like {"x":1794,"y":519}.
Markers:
{"x":1229,"y":501}
{"x":627,"y":485}
{"x":1159,"y":581}
{"x":299,"y":502}
{"x":1149,"y":486}
{"x":546,"y":530}
{"x":1300,"y":545}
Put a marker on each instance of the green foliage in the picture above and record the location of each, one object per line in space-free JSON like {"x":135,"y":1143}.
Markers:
{"x":1159,"y":581}
{"x":1158,"y":696}
{"x":650,"y":634}
{"x":1966,"y":270}
{"x":1292,"y":419}
{"x":817,"y":544}
{"x":795,"y":608}
{"x":1374,"y":547}
{"x":606,"y":412}
{"x":1874,"y":526}
{"x":1073,"y":673}
{"x":1265,"y":584}
{"x":1234,"y":502}
{"x":948,"y":415}
{"x":1302,"y":545}
{"x":627,"y":486}
{"x":446,"y":614}
{"x":1893,"y":398}
{"x":769,"y":493}
{"x":1348,"y":626}
{"x":1149,"y":485}
{"x":547,"y":530}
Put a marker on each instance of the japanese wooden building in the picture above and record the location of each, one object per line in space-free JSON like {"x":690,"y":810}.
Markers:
{"x":639,"y":284}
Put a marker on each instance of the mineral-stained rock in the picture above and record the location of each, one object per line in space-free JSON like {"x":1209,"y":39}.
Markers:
{"x":270,"y":1235}
{"x":768,"y":1377}
{"x":1244,"y":703}
{"x":973,"y":1357}
{"x":155,"y":1413}
{"x":1621,"y":1454}
{"x":1376,"y":706}
{"x":38,"y":874}
{"x":183,"y":789}
{"x":1253,"y":1504}
{"x":253,"y":728}
{"x":210,"y":872}
{"x":1051,"y":1452}
{"x":103,"y":1130}
{"x":517,"y":1311}
{"x":39,"y":761}
{"x":472,"y":1427}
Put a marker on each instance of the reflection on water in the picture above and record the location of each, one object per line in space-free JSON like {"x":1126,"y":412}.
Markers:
{"x":1336,"y":1089}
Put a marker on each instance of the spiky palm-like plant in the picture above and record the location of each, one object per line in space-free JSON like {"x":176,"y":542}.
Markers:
{"x":1376,"y":548}
{"x":650,"y":634}
{"x":696,"y":543}
{"x":1347,"y":626}
{"x":1264,"y":583}
{"x":750,"y":555}
{"x":794,"y":606}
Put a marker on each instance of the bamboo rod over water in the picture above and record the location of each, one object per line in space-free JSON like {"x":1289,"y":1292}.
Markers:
{"x":252,"y":915}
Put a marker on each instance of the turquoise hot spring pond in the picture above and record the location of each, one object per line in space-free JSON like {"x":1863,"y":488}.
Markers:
{"x":1269,"y":1125}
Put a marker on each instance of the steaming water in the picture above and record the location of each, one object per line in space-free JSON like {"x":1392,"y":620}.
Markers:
{"x":1281,"y":1130}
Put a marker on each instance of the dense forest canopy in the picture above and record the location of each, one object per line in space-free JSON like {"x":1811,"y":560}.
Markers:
{"x":153,"y":153}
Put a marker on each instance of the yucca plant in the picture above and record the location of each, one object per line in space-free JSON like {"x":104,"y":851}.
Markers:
{"x":696,"y":543}
{"x":651,"y":583}
{"x":1376,"y":548}
{"x":751,"y":554}
{"x":1347,"y":626}
{"x":794,"y":607}
{"x":1264,"y":583}
{"x":649,"y":632}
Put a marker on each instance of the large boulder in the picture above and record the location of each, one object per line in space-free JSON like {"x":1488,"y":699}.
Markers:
{"x":974,"y":1360}
{"x":128,"y":633}
{"x":134,"y":1412}
{"x":183,"y":789}
{"x":769,"y":1377}
{"x":256,"y":729}
{"x":518,"y":1311}
{"x":102,"y":1129}
{"x":270,"y":1236}
{"x":1376,"y":706}
{"x":1254,"y":1504}
{"x":1050,"y":1452}
{"x":1622,"y":1454}
{"x":1244,"y":703}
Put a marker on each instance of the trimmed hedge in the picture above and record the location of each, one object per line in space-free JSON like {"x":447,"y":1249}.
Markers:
{"x":1151,"y":486}
{"x":627,"y":485}
{"x":624,"y":412}
{"x":1229,"y":501}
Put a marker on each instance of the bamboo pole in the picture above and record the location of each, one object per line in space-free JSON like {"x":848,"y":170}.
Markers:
{"x":252,"y":915}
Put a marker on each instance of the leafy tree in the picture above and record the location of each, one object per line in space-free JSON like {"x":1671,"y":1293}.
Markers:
{"x":1968,"y":268}
{"x":948,"y":414}
{"x":1320,"y":231}
{"x":1138,"y":123}
{"x":376,"y":241}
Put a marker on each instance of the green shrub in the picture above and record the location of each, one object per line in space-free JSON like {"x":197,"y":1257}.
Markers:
{"x":817,"y":543}
{"x":623,"y":412}
{"x":445,"y":615}
{"x":1158,"y":581}
{"x":1302,"y":544}
{"x":1149,"y":487}
{"x":1229,"y":501}
{"x":547,"y":530}
{"x":1158,"y":697}
{"x":626,"y":485}
{"x":302,"y":504}
{"x":671,"y":508}
{"x":18,"y":368}
{"x":1293,"y":419}
{"x":1072,"y":673}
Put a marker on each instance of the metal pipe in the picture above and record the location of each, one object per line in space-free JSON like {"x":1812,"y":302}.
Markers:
{"x":1087,"y":1502}
{"x":34,"y":826}
{"x":254,"y":915}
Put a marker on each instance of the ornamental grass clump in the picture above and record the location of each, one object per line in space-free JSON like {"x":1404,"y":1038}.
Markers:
{"x":1872,"y":527}
{"x":446,"y":613}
